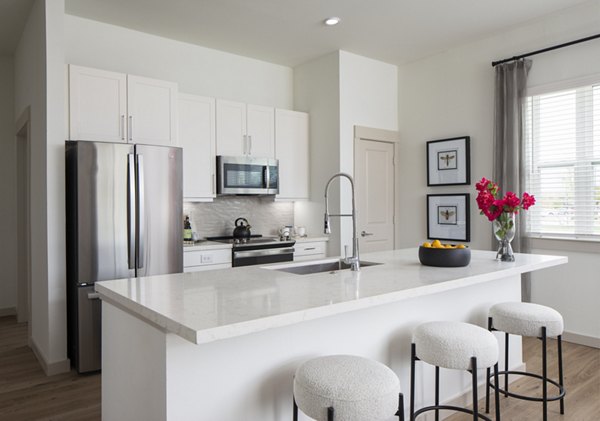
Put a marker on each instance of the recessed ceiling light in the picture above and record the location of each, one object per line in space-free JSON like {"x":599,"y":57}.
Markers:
{"x":332,"y":21}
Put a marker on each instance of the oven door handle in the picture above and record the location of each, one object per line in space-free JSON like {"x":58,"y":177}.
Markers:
{"x":262,"y":252}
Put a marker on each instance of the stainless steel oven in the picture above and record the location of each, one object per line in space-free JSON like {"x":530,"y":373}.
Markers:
{"x":247,"y":175}
{"x":258,"y":250}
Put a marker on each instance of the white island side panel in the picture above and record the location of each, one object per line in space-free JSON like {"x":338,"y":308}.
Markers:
{"x":250,"y":377}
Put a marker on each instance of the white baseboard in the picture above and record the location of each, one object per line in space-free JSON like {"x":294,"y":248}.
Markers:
{"x":576,"y":338}
{"x":50,"y":369}
{"x":466,"y":399}
{"x":10,"y":311}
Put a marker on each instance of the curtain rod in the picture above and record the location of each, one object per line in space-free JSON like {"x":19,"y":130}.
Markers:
{"x":543,"y":50}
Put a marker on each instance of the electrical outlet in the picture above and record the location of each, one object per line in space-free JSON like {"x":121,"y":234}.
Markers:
{"x":207,"y":258}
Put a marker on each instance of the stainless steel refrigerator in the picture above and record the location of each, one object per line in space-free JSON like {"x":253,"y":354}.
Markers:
{"x":124,"y":219}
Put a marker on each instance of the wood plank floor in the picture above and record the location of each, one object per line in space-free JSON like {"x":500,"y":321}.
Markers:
{"x":26,"y":394}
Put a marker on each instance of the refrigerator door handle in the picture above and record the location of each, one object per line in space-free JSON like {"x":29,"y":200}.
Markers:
{"x":141,"y":212}
{"x":131,"y":210}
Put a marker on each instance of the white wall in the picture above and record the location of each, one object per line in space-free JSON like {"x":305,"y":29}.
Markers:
{"x":198,"y":70}
{"x":39,"y":84}
{"x":8,"y":216}
{"x":339,"y":91}
{"x":368,"y":97}
{"x":317,"y":92}
{"x":451,"y":94}
{"x":30,"y":90}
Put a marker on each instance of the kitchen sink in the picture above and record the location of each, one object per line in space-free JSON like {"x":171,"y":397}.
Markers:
{"x":307,"y":269}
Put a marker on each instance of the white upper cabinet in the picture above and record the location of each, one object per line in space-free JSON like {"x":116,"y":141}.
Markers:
{"x":260,"y":122}
{"x":245,"y":129}
{"x":197,"y":137}
{"x":115,"y":107}
{"x":152,"y":106}
{"x":231,"y":128}
{"x":98,"y":105}
{"x":291,"y":149}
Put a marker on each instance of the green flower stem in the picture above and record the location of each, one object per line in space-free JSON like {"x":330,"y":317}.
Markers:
{"x":506,"y":224}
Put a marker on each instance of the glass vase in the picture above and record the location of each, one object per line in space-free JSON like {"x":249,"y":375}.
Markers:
{"x":504,"y":230}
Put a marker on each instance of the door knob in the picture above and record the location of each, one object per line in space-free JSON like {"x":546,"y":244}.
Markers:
{"x":365,"y":234}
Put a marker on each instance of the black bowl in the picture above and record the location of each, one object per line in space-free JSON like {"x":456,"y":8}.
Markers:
{"x":447,"y":258}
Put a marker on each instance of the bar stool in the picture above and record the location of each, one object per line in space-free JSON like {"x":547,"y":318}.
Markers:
{"x":534,"y":320}
{"x":458,"y":346}
{"x":347,"y":388}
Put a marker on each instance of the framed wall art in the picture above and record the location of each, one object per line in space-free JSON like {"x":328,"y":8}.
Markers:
{"x":449,"y":162}
{"x":448,"y":217}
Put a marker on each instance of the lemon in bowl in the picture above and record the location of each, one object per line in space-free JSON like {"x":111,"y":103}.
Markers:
{"x":444,"y":255}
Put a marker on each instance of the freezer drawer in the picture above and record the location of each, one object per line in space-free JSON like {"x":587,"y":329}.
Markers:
{"x":89,"y":315}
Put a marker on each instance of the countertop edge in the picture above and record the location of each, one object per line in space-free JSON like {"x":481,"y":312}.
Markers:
{"x":279,"y":320}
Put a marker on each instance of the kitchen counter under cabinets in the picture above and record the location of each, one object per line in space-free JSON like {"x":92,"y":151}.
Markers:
{"x":206,"y":255}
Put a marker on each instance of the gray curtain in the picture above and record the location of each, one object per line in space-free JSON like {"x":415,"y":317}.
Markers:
{"x":509,"y":159}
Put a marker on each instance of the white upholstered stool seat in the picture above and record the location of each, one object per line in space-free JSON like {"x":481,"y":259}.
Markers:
{"x":526,"y":319}
{"x":458,"y":346}
{"x":453,"y":344}
{"x":356,"y":388}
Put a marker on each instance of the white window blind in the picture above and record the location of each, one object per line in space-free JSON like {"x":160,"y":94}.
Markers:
{"x":562,"y":156}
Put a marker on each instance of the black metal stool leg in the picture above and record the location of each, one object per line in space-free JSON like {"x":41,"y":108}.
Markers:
{"x":487,"y":390}
{"x":330,"y":413}
{"x":506,"y":365}
{"x":487,"y":377}
{"x":475,"y":400}
{"x":560,"y":373}
{"x":496,"y":392}
{"x":437,"y":392}
{"x":400,"y":412}
{"x":545,"y":376}
{"x":413,"y":356}
{"x":295,"y":410}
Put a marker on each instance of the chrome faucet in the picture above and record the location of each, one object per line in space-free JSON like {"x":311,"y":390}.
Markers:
{"x":353,"y":261}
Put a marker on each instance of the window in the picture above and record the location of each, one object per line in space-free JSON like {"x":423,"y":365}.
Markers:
{"x":562,"y":158}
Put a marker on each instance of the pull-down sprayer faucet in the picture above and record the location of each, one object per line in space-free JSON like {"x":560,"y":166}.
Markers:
{"x":353,"y":261}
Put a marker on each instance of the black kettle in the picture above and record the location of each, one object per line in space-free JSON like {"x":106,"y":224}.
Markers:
{"x":242,"y":230}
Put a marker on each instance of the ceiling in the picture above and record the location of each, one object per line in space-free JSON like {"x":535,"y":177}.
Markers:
{"x":291,"y":32}
{"x":13,"y":14}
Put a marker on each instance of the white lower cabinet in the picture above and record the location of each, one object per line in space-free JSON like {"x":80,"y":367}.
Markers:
{"x":310,"y":250}
{"x":197,"y":260}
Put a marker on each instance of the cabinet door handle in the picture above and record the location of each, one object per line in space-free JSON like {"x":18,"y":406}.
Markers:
{"x":245,"y":145}
{"x":365,"y":234}
{"x":309,"y":248}
{"x":122,"y":127}
{"x":250,"y":145}
{"x":130,"y":127}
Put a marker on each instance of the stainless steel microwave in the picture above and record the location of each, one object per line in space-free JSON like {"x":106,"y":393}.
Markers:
{"x":247,"y":175}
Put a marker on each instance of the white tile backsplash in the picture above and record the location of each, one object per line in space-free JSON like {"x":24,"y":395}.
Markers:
{"x":217,"y":218}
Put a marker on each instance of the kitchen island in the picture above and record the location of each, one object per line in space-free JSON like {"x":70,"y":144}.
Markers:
{"x":223,"y":345}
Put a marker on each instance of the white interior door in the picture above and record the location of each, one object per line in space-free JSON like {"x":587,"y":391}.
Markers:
{"x":374,"y":178}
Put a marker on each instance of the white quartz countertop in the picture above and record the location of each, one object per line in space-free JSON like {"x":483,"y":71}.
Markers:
{"x":214,"y":305}
{"x":309,"y":239}
{"x":206,"y":245}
